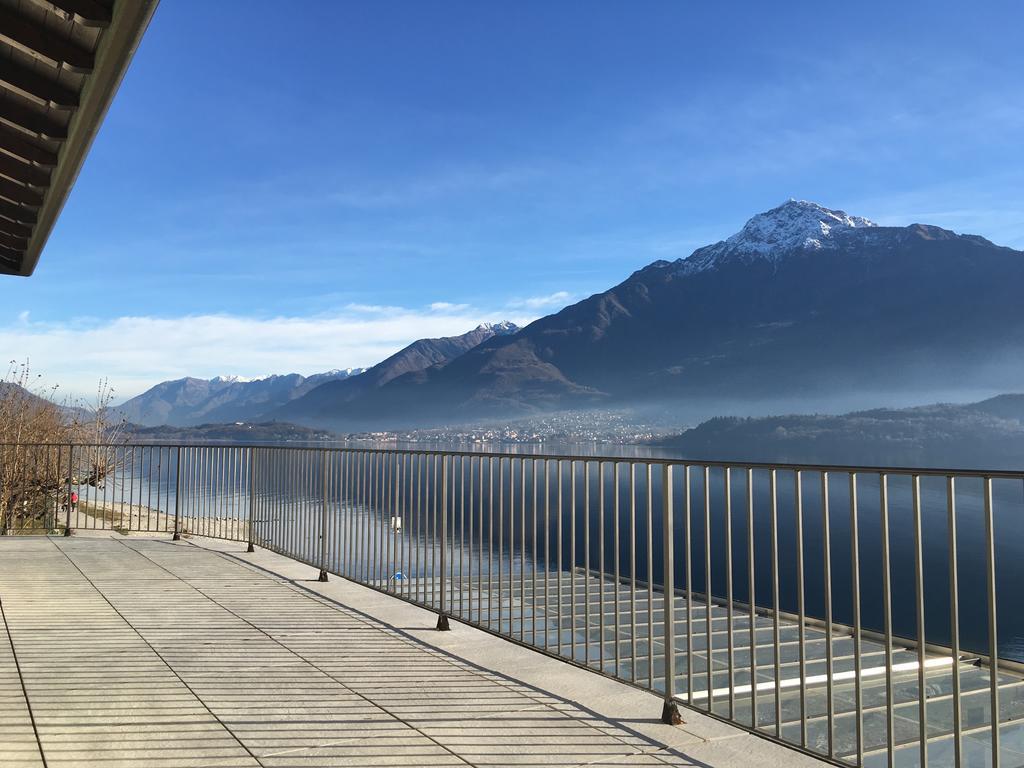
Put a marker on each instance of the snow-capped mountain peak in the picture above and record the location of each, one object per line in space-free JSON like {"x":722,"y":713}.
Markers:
{"x":794,"y":225}
{"x":500,"y":329}
{"x":234,"y":379}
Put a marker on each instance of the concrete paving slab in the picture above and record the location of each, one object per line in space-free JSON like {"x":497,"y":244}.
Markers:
{"x":143,"y":651}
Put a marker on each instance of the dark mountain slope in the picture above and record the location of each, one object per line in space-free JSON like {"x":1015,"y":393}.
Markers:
{"x":190,"y":401}
{"x":802,"y":300}
{"x":989,"y":434}
{"x":325,"y":399}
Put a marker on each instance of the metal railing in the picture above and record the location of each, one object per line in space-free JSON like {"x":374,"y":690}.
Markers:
{"x":865,"y":615}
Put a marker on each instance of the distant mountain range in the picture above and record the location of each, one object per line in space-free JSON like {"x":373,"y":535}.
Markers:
{"x":233,"y":432}
{"x":190,"y":402}
{"x":988,"y":434}
{"x":803,"y":300}
{"x":324,"y":401}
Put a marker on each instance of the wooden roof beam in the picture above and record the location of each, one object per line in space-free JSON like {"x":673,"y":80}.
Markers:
{"x":22,"y":172}
{"x":14,"y":142}
{"x":27,"y":36}
{"x":12,"y":255}
{"x":17,"y":213}
{"x":88,"y":13}
{"x":13,"y":229}
{"x":33,"y":122}
{"x":19,"y":194}
{"x":36,"y":86}
{"x":15,"y":243}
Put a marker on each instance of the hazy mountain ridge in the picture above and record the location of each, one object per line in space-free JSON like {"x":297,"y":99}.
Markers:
{"x":987,"y":434}
{"x":262,"y":432}
{"x":321,"y":402}
{"x":190,"y":401}
{"x":801,"y":300}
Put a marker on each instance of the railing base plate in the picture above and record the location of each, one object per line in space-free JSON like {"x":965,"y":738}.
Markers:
{"x":442,"y":623}
{"x":323,"y":576}
{"x":250,"y":549}
{"x":670,"y":714}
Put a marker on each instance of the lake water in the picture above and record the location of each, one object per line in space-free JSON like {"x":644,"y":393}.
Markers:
{"x":525,"y":513}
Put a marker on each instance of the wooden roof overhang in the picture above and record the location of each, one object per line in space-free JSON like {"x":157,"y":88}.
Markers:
{"x":61,"y":62}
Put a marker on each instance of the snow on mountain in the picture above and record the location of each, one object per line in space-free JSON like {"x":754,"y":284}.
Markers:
{"x":793,"y":226}
{"x":344,"y":371}
{"x":236,"y":379}
{"x":190,"y":401}
{"x":503,"y":328}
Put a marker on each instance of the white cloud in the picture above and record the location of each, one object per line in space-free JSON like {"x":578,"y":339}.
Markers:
{"x":136,"y":352}
{"x":446,"y":306}
{"x":557,"y":299}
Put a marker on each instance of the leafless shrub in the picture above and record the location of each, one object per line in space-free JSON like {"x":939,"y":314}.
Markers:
{"x":38,"y":467}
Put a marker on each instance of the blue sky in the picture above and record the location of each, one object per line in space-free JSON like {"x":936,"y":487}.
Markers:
{"x":274,"y":192}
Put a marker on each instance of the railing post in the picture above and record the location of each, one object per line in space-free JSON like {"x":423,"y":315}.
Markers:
{"x":323,"y":520}
{"x":177,"y":497}
{"x":442,"y":617}
{"x":670,"y":710}
{"x":252,"y":500}
{"x":71,"y":472}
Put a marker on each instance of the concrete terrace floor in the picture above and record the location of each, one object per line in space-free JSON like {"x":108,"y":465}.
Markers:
{"x":128,"y":651}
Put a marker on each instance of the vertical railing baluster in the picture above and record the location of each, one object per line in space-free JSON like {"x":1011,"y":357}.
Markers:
{"x":993,"y":635}
{"x":798,"y":502}
{"x":251,"y":537}
{"x":472,"y":530}
{"x":890,"y":736}
{"x":490,"y":544}
{"x":558,"y":557}
{"x":533,"y":568}
{"x":322,"y":576}
{"x":586,"y":562}
{"x":70,"y":482}
{"x":858,"y":693}
{"x":572,"y":558}
{"x":618,"y":582}
{"x":730,"y":650}
{"x":522,"y":550}
{"x":691,"y":655}
{"x":501,"y":549}
{"x":442,"y":618}
{"x":954,"y":617}
{"x":177,"y":498}
{"x":462,"y":536}
{"x":650,"y":575}
{"x":752,"y":598}
{"x":776,"y":660}
{"x":600,"y":563}
{"x":547,"y":551}
{"x":922,"y":692}
{"x":709,"y":623}
{"x":826,"y":538}
{"x":632,"y":571}
{"x":670,"y":709}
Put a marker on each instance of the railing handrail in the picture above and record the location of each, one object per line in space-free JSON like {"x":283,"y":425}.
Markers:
{"x":361,"y":511}
{"x":994,"y":474}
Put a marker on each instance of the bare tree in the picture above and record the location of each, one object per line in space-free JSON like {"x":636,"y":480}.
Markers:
{"x":38,"y":467}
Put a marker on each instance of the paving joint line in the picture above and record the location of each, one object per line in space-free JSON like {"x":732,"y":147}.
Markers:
{"x":21,"y":679}
{"x":475,"y":669}
{"x":158,"y":655}
{"x":302,"y":658}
